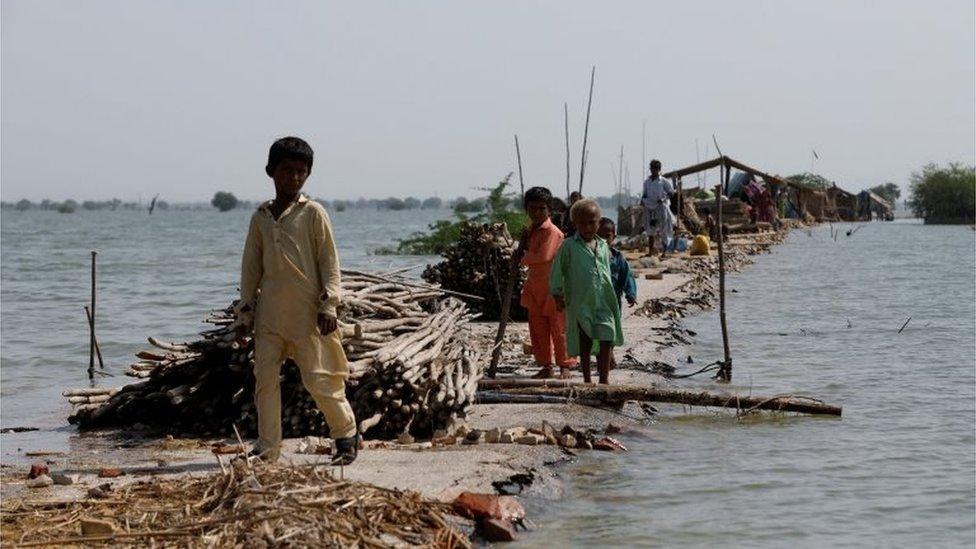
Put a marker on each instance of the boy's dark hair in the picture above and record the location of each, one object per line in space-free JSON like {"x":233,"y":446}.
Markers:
{"x":607,"y":222}
{"x":656,"y":163}
{"x":289,"y":148}
{"x":537,"y":194}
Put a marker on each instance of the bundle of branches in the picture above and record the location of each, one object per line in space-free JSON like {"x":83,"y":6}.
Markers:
{"x":256,"y":506}
{"x":412,"y":369}
{"x":478,"y":263}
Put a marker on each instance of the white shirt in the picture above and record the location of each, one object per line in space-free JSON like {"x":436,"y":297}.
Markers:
{"x":656,"y":189}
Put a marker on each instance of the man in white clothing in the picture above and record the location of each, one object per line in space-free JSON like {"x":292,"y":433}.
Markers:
{"x":656,"y":199}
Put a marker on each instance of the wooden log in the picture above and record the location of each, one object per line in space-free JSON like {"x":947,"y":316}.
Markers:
{"x":509,"y":382}
{"x":617,"y":394}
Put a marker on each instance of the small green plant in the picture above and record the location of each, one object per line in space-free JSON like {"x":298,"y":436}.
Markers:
{"x":497,"y":207}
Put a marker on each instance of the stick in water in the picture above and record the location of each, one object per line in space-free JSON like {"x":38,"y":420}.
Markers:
{"x":91,"y":326}
{"x":905,"y":324}
{"x":91,"y":322}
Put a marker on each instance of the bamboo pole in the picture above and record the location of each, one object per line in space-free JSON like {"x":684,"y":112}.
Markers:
{"x":518,"y":155}
{"x":618,"y":394}
{"x":91,"y":322}
{"x":91,"y":326}
{"x":620,"y":175}
{"x":586,"y":130}
{"x":566,"y":122}
{"x":725,"y":371}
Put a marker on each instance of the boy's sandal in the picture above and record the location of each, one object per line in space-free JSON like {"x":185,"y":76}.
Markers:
{"x":347,"y":450}
{"x":564,"y":372}
{"x":544,"y":373}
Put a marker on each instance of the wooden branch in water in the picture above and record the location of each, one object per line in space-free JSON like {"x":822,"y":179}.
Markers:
{"x":618,"y":394}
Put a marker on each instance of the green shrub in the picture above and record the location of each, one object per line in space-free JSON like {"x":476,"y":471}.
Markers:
{"x":497,"y":207}
{"x":944,"y":195}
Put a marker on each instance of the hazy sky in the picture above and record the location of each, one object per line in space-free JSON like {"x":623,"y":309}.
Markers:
{"x":127,"y":98}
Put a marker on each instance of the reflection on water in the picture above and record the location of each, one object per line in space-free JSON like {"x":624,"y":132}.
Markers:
{"x":898,"y":469}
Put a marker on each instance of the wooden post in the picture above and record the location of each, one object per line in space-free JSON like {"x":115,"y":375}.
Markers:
{"x":681,"y":200}
{"x":513,"y":273}
{"x":586,"y":130}
{"x":620,"y":175}
{"x":91,"y":323}
{"x":566,"y":121}
{"x":518,"y":154}
{"x":91,"y":326}
{"x":725,"y":371}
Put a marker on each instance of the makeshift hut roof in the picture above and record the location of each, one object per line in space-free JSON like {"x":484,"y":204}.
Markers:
{"x":876,"y":198}
{"x":837,"y":191}
{"x":726,"y":161}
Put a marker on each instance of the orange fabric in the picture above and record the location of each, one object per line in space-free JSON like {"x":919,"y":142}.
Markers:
{"x":543,"y":244}
{"x":547,"y":325}
{"x":548,"y":334}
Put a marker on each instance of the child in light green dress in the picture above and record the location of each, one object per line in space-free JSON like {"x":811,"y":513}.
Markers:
{"x":581,"y":284}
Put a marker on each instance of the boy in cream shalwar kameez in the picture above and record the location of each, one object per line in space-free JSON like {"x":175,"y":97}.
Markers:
{"x":290,"y":281}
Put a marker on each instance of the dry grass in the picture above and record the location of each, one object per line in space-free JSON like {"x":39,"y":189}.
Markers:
{"x":245,"y":506}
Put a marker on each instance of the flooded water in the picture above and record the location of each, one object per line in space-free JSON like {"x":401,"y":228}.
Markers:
{"x":815,"y":317}
{"x":158,"y":276}
{"x":821,"y":318}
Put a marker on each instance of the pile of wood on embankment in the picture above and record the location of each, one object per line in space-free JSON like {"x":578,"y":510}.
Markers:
{"x":412,"y":369}
{"x":478,"y":264}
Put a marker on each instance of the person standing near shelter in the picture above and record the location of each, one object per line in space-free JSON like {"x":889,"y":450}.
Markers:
{"x":656,"y":199}
{"x":547,"y":325}
{"x":289,"y":294}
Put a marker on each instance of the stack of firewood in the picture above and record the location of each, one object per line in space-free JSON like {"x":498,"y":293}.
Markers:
{"x":412,"y":369}
{"x":478,"y":263}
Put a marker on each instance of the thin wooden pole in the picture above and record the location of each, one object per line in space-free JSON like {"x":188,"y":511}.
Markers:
{"x":725,"y":371}
{"x":620,"y":175}
{"x":681,"y":198}
{"x":566,"y":122}
{"x":91,"y":323}
{"x":586,"y":129}
{"x":643,"y":148}
{"x":513,"y":273}
{"x":91,"y":326}
{"x":518,"y":154}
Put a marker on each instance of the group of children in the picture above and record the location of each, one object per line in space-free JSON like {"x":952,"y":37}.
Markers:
{"x":290,"y":291}
{"x":574,"y":289}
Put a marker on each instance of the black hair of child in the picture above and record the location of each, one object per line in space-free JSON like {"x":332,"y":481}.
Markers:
{"x":607,"y":222}
{"x":289,"y":148}
{"x":537,"y":194}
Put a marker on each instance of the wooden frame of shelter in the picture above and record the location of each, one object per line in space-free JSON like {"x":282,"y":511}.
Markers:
{"x":723,"y":163}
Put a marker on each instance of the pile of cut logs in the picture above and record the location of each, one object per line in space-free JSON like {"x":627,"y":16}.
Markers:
{"x":412,"y":369}
{"x":478,"y":263}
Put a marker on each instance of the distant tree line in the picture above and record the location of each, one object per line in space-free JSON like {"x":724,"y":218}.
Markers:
{"x":227,"y":201}
{"x":70,"y":205}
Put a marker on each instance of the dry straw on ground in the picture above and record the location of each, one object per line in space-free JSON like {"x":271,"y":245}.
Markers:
{"x":246,"y":506}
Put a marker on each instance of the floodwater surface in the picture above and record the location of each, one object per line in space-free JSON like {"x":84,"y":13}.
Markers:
{"x":816,"y":317}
